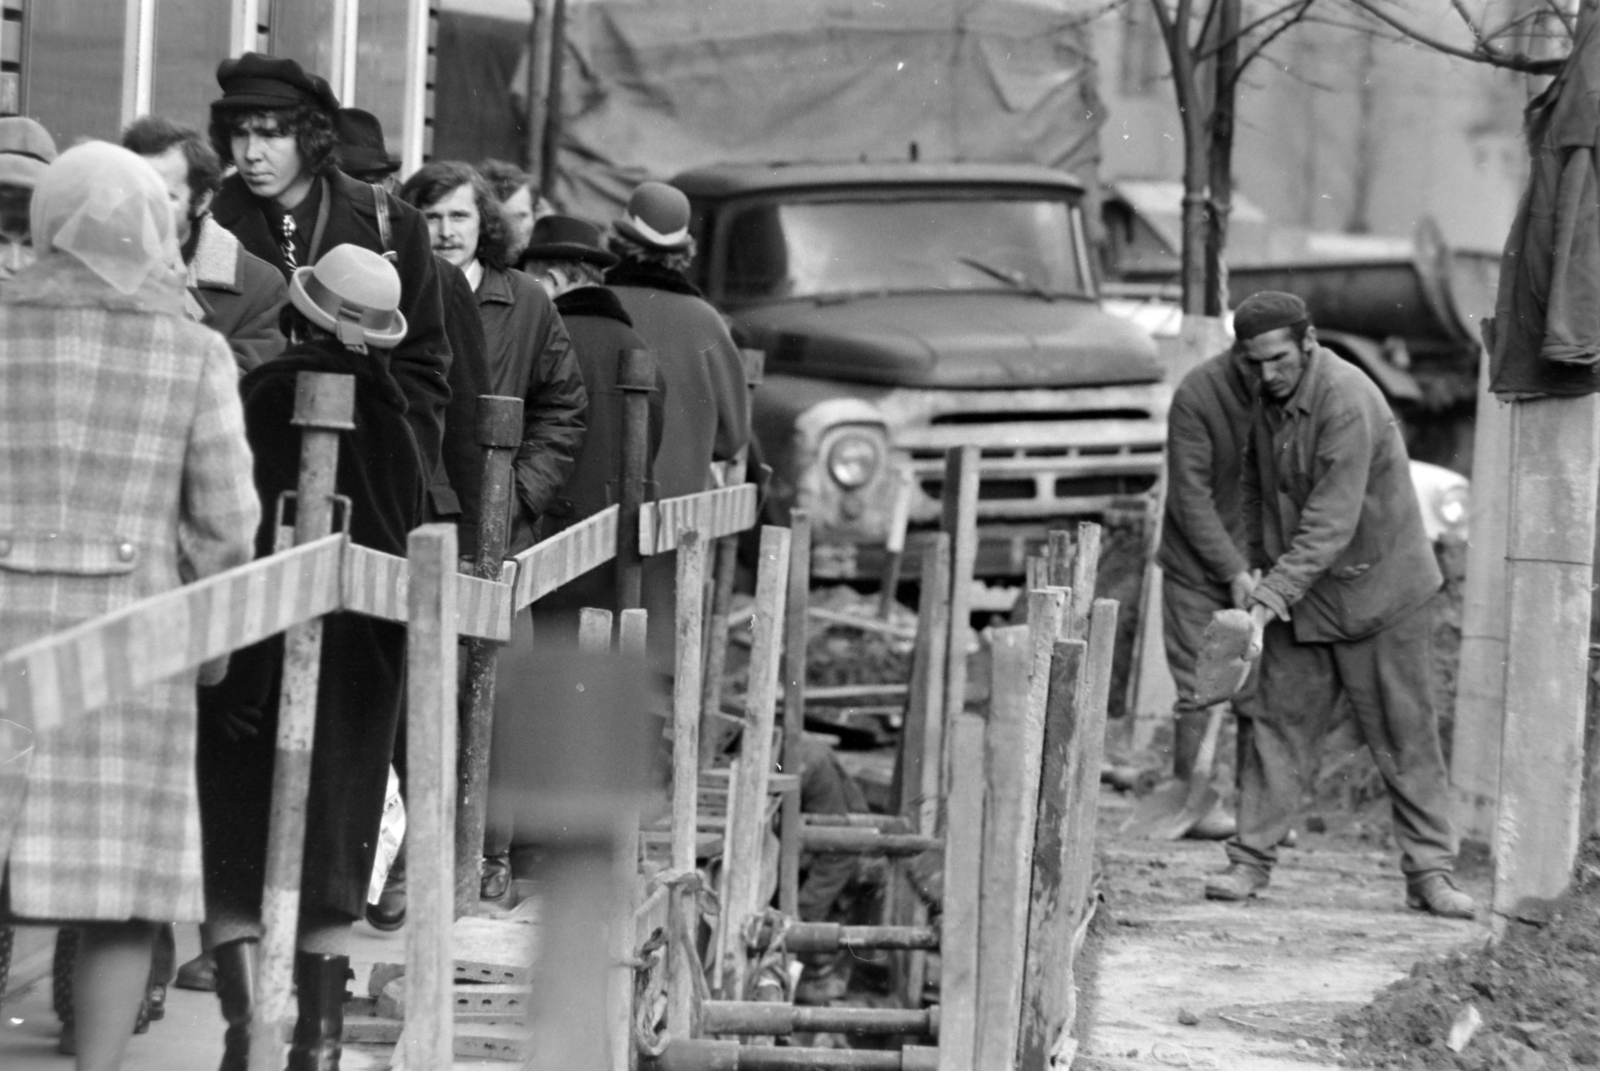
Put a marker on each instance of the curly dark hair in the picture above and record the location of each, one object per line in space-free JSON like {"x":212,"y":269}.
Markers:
{"x":436,"y":181}
{"x":152,"y":135}
{"x":311,"y":127}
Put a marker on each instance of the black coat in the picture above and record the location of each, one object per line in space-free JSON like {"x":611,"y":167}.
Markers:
{"x":421,"y":363}
{"x":454,"y":494}
{"x":363,"y":659}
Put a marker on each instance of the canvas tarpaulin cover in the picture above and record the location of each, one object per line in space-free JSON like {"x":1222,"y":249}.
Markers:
{"x":656,"y":86}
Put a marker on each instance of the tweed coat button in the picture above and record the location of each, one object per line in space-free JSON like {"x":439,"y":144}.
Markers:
{"x":126,"y":551}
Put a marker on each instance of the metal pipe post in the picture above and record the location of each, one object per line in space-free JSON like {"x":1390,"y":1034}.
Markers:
{"x":323,"y":406}
{"x":500,"y":434}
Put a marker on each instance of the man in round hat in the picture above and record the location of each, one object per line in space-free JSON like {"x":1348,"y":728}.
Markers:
{"x":26,"y":149}
{"x":361,"y":151}
{"x":707,"y":408}
{"x":345,"y":316}
{"x":1343,"y":607}
{"x":289,"y":204}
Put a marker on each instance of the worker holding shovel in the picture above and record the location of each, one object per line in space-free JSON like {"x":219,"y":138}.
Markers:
{"x":1343,"y":607}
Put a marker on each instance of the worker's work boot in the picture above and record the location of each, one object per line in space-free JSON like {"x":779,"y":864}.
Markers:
{"x":389,"y":913}
{"x":1218,"y":824}
{"x":199,"y":974}
{"x":319,"y":1028}
{"x":1437,"y":894}
{"x":234,"y":974}
{"x":1239,"y":882}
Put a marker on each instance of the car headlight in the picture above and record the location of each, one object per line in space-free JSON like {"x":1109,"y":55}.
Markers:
{"x":1451,"y":504}
{"x":854,"y":459}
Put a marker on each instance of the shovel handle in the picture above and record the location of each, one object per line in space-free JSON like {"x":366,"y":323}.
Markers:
{"x":1205,"y":758}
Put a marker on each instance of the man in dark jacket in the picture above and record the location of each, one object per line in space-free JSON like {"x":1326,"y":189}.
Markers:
{"x":566,"y":257}
{"x":289,"y":204}
{"x":1331,"y":515}
{"x":347,"y":324}
{"x":231,"y":290}
{"x":707,"y":411}
{"x":528,"y":353}
{"x":1202,"y":553}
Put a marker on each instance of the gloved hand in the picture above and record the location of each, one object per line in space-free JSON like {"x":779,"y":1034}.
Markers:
{"x":241,"y":722}
{"x":1242,"y":586}
{"x":213,"y":672}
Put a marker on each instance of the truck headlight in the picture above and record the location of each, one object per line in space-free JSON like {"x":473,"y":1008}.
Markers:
{"x":854,"y":459}
{"x":1450,"y":505}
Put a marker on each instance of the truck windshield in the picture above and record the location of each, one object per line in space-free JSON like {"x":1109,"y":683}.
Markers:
{"x":822,"y":248}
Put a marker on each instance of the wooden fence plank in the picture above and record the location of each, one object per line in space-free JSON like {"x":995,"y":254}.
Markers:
{"x":683,"y":961}
{"x":1044,"y":1002}
{"x":958,"y":939}
{"x":565,"y":556}
{"x":713,"y":514}
{"x":428,"y":1040}
{"x":167,"y":634}
{"x":747,"y":826}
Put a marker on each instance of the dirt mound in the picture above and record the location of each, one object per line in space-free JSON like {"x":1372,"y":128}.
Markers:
{"x":1537,"y":992}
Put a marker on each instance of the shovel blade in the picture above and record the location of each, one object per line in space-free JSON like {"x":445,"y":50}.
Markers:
{"x":1169,"y":812}
{"x":1223,"y":665}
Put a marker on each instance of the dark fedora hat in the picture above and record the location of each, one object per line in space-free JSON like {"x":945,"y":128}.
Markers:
{"x":256,"y":81}
{"x":361,"y":149}
{"x":567,"y":238}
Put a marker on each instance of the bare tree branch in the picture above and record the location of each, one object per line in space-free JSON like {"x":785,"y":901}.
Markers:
{"x":1276,"y":32}
{"x":1251,"y":27}
{"x":1466,"y":17}
{"x":1494,"y":58}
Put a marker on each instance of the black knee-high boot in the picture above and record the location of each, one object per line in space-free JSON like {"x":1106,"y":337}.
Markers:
{"x":318,"y":1031}
{"x":236,"y":989}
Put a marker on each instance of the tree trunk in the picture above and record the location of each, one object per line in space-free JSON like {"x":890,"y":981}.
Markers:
{"x":1190,"y":112}
{"x":1221,"y":157}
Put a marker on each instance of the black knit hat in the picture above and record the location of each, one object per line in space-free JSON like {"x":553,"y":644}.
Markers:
{"x":256,"y":81}
{"x":1266,"y":311}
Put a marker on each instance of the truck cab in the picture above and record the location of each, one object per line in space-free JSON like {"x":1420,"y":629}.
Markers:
{"x":905,"y":308}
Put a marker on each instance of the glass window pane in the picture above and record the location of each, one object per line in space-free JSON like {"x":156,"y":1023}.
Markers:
{"x":191,"y":39}
{"x":74,"y":71}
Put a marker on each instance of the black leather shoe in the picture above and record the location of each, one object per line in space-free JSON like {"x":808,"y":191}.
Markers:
{"x":235,"y":977}
{"x":319,"y":1028}
{"x":199,"y":974}
{"x":1238,"y":882}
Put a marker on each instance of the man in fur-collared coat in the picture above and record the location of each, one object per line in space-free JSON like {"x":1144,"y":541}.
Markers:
{"x":231,"y":290}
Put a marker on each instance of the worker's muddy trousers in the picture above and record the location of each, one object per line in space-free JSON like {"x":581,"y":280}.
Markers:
{"x":1385,"y":677}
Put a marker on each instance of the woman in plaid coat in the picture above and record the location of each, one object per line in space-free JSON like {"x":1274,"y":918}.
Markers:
{"x":124,"y":470}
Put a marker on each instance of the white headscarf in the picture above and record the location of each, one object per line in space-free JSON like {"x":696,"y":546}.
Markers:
{"x":107,"y":208}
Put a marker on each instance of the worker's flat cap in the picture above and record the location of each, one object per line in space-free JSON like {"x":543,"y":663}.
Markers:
{"x":257,"y":81}
{"x":1266,"y":311}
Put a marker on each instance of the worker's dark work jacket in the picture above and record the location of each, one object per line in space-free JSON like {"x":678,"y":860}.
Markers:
{"x":1330,"y":507}
{"x":421,"y":362}
{"x":1203,"y":534}
{"x":1545,"y":336}
{"x":455,"y":491}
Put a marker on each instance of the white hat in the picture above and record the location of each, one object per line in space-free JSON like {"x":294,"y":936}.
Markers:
{"x":354,"y":294}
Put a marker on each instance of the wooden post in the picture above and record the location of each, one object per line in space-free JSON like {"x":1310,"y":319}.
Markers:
{"x":683,"y":961}
{"x":1059,"y":556}
{"x":1014,"y":743}
{"x":1152,"y":691}
{"x":748,"y":821}
{"x":1085,"y":575}
{"x":1555,"y":456}
{"x":323,"y":405}
{"x":428,"y":1040}
{"x":960,"y":495}
{"x":636,"y":378}
{"x":895,"y":542}
{"x":958,"y":939}
{"x":724,"y":567}
{"x":594,"y":629}
{"x":1481,"y":673}
{"x":1051,"y":917}
{"x":550,"y":154}
{"x":500,"y":434}
{"x":794,"y":704}
{"x":922,"y":737}
{"x":631,"y":629}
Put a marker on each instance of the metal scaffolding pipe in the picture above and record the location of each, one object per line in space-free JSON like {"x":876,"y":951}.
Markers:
{"x":827,"y":937}
{"x":700,"y":1054}
{"x":760,"y":1018}
{"x":852,"y":840}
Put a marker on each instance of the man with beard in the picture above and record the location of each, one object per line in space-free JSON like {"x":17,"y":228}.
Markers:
{"x":1343,"y":609}
{"x":231,"y":290}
